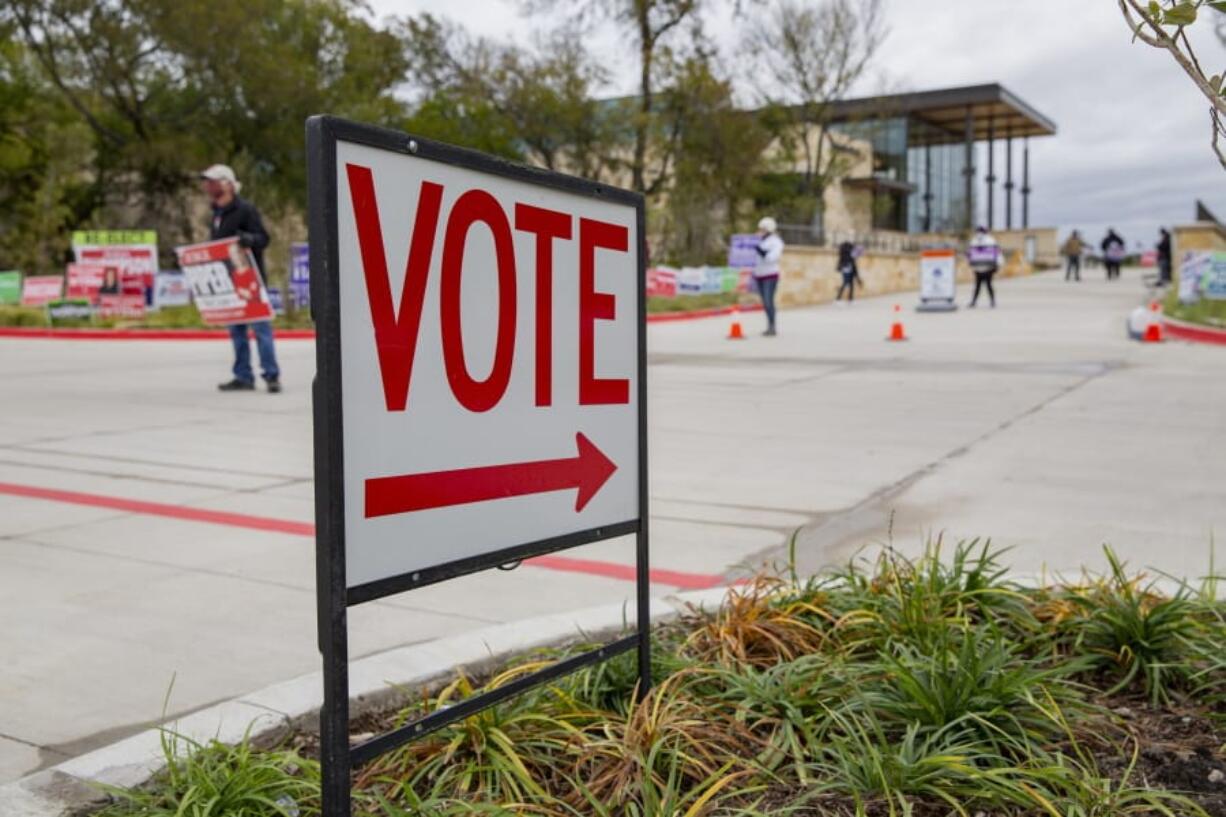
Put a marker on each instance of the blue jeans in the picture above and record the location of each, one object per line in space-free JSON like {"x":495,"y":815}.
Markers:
{"x":242,"y":351}
{"x":766,"y":288}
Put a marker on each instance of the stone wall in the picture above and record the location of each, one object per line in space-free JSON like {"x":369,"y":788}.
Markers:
{"x":809,"y":274}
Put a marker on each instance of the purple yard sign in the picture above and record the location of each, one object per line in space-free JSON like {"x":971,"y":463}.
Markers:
{"x":743,"y":250}
{"x":300,"y":274}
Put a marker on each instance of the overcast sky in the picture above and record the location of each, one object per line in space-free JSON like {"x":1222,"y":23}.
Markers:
{"x":1133,"y":144}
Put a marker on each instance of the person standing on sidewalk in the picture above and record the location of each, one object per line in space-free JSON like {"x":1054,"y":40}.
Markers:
{"x":236,"y":217}
{"x":983,"y":253}
{"x":766,"y":273}
{"x":1113,"y":253}
{"x":1072,"y":250}
{"x":849,"y":271}
{"x":1164,"y":257}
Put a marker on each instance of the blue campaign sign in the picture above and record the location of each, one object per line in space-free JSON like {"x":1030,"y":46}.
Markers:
{"x":743,"y":250}
{"x":300,"y":275}
{"x":1213,"y":278}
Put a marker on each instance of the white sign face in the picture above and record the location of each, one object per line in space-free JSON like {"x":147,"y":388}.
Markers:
{"x":489,"y":361}
{"x":938,"y":273}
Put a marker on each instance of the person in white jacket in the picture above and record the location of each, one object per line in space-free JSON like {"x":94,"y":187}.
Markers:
{"x":984,"y":256}
{"x":766,"y":273}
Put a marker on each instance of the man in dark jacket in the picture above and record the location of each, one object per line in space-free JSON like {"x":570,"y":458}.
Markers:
{"x":233,"y":216}
{"x":1164,"y":257}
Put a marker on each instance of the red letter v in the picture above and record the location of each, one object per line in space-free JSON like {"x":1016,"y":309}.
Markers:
{"x":395,"y":332}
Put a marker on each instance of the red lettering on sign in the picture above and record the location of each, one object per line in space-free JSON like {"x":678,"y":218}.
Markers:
{"x":595,"y":306}
{"x":395,"y":331}
{"x":472,"y":207}
{"x":547,"y":225}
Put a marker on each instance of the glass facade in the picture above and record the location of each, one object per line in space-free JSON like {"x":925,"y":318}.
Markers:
{"x":903,"y":152}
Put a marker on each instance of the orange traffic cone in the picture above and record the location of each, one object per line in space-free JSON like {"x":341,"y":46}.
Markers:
{"x":734,"y":331}
{"x":896,"y":330}
{"x":1153,"y":330}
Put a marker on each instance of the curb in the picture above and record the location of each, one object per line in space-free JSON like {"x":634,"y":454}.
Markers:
{"x":52,"y":333}
{"x":374,"y":681}
{"x":1197,"y":333}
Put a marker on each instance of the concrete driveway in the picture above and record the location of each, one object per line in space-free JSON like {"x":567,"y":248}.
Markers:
{"x":153,"y":529}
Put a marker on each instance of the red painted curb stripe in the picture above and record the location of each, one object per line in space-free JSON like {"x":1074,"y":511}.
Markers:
{"x":1192,"y":332}
{"x":53,"y":333}
{"x":236,"y":520}
{"x":688,"y":581}
{"x":46,"y":332}
{"x":671,"y":317}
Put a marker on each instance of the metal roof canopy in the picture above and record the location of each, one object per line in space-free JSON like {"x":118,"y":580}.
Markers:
{"x":994,"y":110}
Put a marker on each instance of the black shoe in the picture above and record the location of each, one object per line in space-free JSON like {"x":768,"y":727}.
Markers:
{"x":236,"y":385}
{"x":274,"y":386}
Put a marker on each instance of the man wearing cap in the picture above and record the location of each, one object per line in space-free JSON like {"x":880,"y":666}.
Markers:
{"x":237,"y":217}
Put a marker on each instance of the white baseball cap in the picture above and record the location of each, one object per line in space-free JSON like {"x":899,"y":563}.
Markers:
{"x":222,"y":173}
{"x":768,"y":224}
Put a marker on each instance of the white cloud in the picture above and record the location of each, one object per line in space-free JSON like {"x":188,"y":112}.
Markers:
{"x":1133,"y":142}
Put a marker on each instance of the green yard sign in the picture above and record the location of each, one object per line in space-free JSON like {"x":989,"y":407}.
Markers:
{"x":10,"y":287}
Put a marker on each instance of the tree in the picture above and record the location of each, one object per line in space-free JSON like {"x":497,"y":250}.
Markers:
{"x":43,"y":148}
{"x":168,"y":86}
{"x":651,"y":23}
{"x":810,"y":56}
{"x":1164,"y":25}
{"x":720,"y":154}
{"x":535,"y":105}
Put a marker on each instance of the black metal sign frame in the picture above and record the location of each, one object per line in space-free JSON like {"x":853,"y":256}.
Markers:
{"x":333,"y":595}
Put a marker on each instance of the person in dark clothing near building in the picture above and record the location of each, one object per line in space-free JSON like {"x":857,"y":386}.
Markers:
{"x":983,"y":254}
{"x":1113,"y":253}
{"x":849,"y":271}
{"x":234,"y":216}
{"x":1164,"y":257}
{"x":1071,"y":250}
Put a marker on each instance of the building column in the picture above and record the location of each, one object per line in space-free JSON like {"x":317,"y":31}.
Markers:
{"x":928,"y":188}
{"x":969,"y":170}
{"x":1009,"y":182}
{"x":991,"y":173}
{"x":1026,"y":183}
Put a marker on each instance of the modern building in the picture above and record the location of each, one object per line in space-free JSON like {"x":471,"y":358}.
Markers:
{"x":915,"y":167}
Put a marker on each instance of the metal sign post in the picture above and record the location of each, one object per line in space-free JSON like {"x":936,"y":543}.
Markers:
{"x":480,"y":395}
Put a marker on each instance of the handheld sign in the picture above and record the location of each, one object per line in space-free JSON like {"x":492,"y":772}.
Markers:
{"x":480,"y":395}
{"x":225,"y":281}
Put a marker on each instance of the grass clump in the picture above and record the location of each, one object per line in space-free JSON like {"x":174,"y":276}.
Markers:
{"x":925,"y":687}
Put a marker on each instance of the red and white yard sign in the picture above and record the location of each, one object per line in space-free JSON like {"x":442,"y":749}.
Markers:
{"x":489,"y":361}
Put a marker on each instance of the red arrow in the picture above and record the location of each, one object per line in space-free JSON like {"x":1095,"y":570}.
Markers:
{"x":588,"y":472}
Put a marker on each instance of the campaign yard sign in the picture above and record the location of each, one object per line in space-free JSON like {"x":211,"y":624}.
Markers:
{"x":132,"y":250}
{"x":84,"y":281}
{"x":300,"y":275}
{"x":225,"y":282}
{"x":480,"y":396}
{"x":171,"y":288}
{"x":37,"y":290}
{"x":10,"y":287}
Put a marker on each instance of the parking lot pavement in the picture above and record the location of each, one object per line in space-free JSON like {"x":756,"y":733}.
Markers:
{"x":154,"y":530}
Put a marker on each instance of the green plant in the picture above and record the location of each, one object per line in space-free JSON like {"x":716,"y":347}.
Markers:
{"x":1129,"y":629}
{"x":218,"y":780}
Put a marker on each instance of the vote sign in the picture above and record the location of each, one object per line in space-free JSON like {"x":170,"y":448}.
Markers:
{"x":489,"y":357}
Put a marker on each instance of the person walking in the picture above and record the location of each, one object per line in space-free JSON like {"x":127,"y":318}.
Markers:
{"x":236,"y":217}
{"x":849,"y":271}
{"x":766,"y":273}
{"x":1113,"y":248}
{"x":1164,"y":257}
{"x":983,"y":253}
{"x":1071,"y":250}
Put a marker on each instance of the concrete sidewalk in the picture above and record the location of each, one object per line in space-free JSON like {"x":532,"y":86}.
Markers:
{"x":1036,"y":423}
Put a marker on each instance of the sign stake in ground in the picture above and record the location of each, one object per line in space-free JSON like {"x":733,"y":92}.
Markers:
{"x":480,"y":395}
